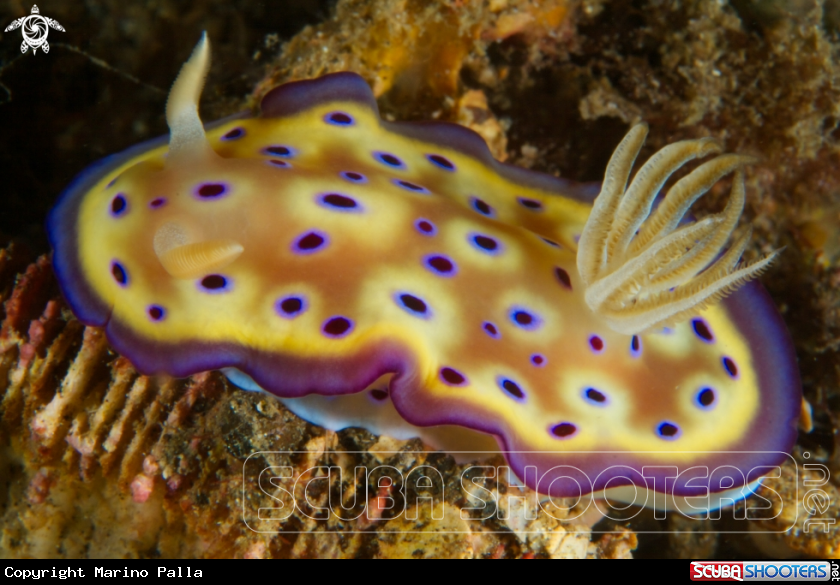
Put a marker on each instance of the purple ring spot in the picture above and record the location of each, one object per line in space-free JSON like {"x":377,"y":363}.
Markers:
{"x":119,"y":273}
{"x":234,"y":134}
{"x":310,"y":242}
{"x":339,"y":119}
{"x":413,"y":305}
{"x":337,"y":327}
{"x":706,"y":398}
{"x":596,"y":343}
{"x":635,"y":346}
{"x":668,"y":431}
{"x":119,"y":205}
{"x":482,"y":207}
{"x":563,"y":277}
{"x":595,"y":397}
{"x":538,"y":360}
{"x":491,"y":329}
{"x":530,"y":204}
{"x":389,"y":160}
{"x":211,"y":190}
{"x":701,"y":329}
{"x":440,"y":265}
{"x":485,"y":244}
{"x":730,"y":367}
{"x":214,"y":284}
{"x":563,"y":430}
{"x":280,"y":150}
{"x":339,"y":202}
{"x":291,"y":306}
{"x":156,"y":312}
{"x":511,"y":388}
{"x":280,"y":164}
{"x":353,"y":177}
{"x":425,"y":227}
{"x":157,"y":202}
{"x":452,"y":377}
{"x":525,"y":318}
{"x":441,"y":162}
{"x":413,"y":187}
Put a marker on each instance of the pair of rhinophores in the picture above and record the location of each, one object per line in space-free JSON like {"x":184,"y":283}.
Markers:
{"x":395,"y":276}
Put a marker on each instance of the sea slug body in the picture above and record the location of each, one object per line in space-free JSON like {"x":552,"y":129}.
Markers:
{"x":317,"y":251}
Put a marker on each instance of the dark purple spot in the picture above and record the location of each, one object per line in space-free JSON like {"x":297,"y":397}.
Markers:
{"x":280,"y":164}
{"x":290,"y":306}
{"x":702,"y":330}
{"x":596,"y":343}
{"x":389,"y":159}
{"x":531,"y":204}
{"x":481,"y":206}
{"x":425,"y":227}
{"x":511,"y":388}
{"x":551,"y":243}
{"x":214,"y":282}
{"x":595,"y":396}
{"x":440,"y":264}
{"x":119,"y":273}
{"x":353,"y":177}
{"x":277,"y":150}
{"x":563,"y":430}
{"x":668,"y":430}
{"x":156,"y":312}
{"x":706,"y":397}
{"x":538,"y":360}
{"x":485,"y":243}
{"x":413,"y":304}
{"x":337,"y":326}
{"x":310,"y":242}
{"x":157,"y":202}
{"x":414,"y":188}
{"x":339,"y":119}
{"x":234,"y":134}
{"x":211,"y":190}
{"x":339,"y":201}
{"x":111,"y":183}
{"x":118,"y":205}
{"x":730,"y":367}
{"x":635,"y":346}
{"x":378,"y":394}
{"x":524,"y":318}
{"x":491,"y":330}
{"x":563,"y":277}
{"x":452,"y":377}
{"x":441,"y":162}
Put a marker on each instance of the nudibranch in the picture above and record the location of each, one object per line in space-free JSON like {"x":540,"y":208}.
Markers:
{"x":396,"y":276}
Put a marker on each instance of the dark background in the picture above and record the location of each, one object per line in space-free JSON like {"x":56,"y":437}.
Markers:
{"x":103,"y":85}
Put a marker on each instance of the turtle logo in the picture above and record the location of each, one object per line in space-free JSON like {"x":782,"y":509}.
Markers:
{"x":35,"y":30}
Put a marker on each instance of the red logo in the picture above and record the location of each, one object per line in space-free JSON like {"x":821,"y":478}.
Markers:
{"x":703,"y":571}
